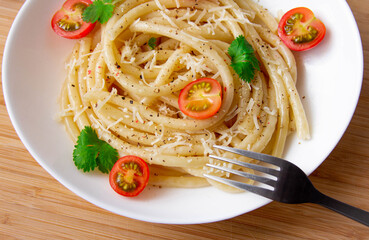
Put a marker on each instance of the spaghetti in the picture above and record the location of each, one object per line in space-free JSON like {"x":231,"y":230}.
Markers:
{"x":128,"y":92}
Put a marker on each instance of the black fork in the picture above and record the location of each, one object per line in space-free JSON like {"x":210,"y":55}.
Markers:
{"x":290,"y":183}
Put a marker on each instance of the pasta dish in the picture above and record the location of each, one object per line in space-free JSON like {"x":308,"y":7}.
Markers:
{"x":128,"y":91}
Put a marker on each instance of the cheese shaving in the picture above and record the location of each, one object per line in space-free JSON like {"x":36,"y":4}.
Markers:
{"x":100,"y":103}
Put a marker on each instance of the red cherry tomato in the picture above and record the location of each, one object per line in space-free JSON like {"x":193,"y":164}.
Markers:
{"x":300,"y":30}
{"x":201,"y":99}
{"x":129,"y":176}
{"x":67,"y":22}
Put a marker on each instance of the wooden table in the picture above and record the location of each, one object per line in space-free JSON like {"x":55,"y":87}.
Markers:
{"x":33,"y":205}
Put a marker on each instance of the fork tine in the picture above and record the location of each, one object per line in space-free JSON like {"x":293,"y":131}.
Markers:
{"x":243,"y":186}
{"x":259,"y":168}
{"x":257,"y":178}
{"x":258,"y":156}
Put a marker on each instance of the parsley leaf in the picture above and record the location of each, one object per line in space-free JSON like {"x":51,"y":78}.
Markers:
{"x":91,"y":152}
{"x":99,"y":10}
{"x":84,"y":157}
{"x":152,"y":43}
{"x":107,"y":157}
{"x":244,"y":61}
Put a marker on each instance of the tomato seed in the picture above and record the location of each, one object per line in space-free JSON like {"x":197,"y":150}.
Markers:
{"x":69,"y":26}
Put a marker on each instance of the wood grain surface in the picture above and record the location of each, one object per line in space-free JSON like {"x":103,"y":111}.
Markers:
{"x":33,"y":205}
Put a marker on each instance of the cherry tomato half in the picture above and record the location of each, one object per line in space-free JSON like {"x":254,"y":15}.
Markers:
{"x":67,"y":22}
{"x":300,"y":30}
{"x":201,"y":99}
{"x":129,"y":176}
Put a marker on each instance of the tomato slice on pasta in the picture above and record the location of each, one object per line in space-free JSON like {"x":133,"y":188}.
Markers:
{"x":129,"y":176}
{"x":300,"y":30}
{"x":201,"y":99}
{"x":67,"y":22}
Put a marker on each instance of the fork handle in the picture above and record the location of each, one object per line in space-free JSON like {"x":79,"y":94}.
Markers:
{"x":354,"y":213}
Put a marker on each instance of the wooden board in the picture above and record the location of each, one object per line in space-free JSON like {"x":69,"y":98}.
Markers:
{"x":33,"y":205}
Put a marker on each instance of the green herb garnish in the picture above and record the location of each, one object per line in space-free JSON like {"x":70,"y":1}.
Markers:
{"x":99,"y":10}
{"x":244,"y":61}
{"x":152,"y":43}
{"x":91,"y":152}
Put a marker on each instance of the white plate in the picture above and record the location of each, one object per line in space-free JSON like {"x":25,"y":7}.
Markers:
{"x":330,"y":78}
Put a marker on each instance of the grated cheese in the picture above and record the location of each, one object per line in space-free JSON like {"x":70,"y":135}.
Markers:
{"x":129,"y":50}
{"x":195,"y":63}
{"x":159,"y":137}
{"x":102,"y":103}
{"x":91,"y":53}
{"x":114,"y":123}
{"x":170,"y":21}
{"x":188,"y":15}
{"x":97,"y":124}
{"x":181,"y":77}
{"x":139,"y":118}
{"x":267,"y":110}
{"x":243,"y":130}
{"x":250,"y":105}
{"x":221,"y":8}
{"x":177,"y":3}
{"x":193,"y":24}
{"x":159,"y":5}
{"x":176,"y":144}
{"x":208,"y":143}
{"x":199,"y":18}
{"x":216,"y":75}
{"x":165,"y":110}
{"x":78,"y":113}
